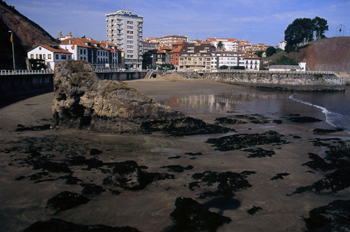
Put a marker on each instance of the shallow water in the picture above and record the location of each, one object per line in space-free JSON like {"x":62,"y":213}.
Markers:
{"x":333,"y":108}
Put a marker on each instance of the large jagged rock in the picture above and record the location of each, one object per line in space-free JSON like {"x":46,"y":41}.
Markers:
{"x":83,"y":100}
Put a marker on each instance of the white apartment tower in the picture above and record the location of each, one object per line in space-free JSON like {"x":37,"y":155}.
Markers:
{"x":124,"y":28}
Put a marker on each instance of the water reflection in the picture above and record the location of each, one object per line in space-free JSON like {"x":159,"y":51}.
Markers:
{"x":221,"y":103}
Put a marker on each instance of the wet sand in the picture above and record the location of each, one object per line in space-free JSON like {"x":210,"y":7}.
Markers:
{"x":24,"y":201}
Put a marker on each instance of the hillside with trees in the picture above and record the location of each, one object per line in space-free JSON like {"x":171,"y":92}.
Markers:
{"x":328,"y":54}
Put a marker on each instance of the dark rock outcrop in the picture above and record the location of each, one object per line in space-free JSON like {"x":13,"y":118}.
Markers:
{"x":280,"y":176}
{"x":189,"y":215}
{"x":226,"y":182}
{"x":66,"y":200}
{"x":238,"y":141}
{"x":82,"y":100}
{"x":58,"y":225}
{"x":321,"y":131}
{"x":333,"y":217}
{"x":177,"y":168}
{"x":259,"y":153}
{"x":302,"y":119}
{"x":254,"y":210}
{"x":129,"y":175}
{"x":337,"y":160}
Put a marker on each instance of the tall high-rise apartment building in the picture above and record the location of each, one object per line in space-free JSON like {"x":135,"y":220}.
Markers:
{"x":125,"y":29}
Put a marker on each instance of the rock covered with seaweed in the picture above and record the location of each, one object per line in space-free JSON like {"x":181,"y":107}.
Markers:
{"x":82,"y":100}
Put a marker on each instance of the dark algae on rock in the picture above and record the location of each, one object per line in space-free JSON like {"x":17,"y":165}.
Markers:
{"x":333,"y":217}
{"x":66,"y":200}
{"x":337,"y":163}
{"x":239,"y":141}
{"x":227,"y":183}
{"x":189,"y":215}
{"x":59,"y":225}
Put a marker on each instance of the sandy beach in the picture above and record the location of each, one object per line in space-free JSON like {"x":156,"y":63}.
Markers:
{"x":26,"y":190}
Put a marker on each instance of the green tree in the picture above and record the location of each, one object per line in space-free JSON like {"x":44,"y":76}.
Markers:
{"x":299,"y":31}
{"x":259,"y":53}
{"x":302,"y":30}
{"x":320,"y":27}
{"x":270,"y":51}
{"x":220,"y":45}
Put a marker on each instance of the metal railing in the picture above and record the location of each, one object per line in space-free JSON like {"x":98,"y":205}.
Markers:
{"x":31,"y":72}
{"x":25,"y":72}
{"x":245,"y":71}
{"x":112,"y":70}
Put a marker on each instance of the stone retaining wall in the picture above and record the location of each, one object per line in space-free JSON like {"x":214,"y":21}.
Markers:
{"x":16,"y":87}
{"x":291,"y":81}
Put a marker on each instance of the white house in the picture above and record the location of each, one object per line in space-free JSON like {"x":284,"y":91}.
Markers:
{"x":100,"y":54}
{"x":227,"y":43}
{"x":282,"y":45}
{"x":50,"y":54}
{"x":252,"y":62}
{"x":226,"y":58}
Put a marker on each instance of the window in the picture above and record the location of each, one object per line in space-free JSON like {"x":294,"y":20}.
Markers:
{"x":49,"y":56}
{"x":129,"y":37}
{"x":130,"y":51}
{"x":63,"y":57}
{"x":130,"y":22}
{"x":32,"y":56}
{"x":130,"y":46}
{"x":130,"y":32}
{"x":57,"y":56}
{"x":44,"y":57}
{"x":130,"y":27}
{"x":130,"y":42}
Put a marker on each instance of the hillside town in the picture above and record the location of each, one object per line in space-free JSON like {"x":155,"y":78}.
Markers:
{"x":125,"y":48}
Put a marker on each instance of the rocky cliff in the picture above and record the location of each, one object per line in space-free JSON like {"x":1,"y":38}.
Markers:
{"x":330,"y":54}
{"x":26,"y":35}
{"x":82,"y":100}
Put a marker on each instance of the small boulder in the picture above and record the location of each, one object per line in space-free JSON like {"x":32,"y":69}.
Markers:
{"x":66,"y":200}
{"x":189,"y":215}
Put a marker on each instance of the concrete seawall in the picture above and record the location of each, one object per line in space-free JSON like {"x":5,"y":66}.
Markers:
{"x":14,"y":87}
{"x":290,"y":81}
{"x":17,"y":87}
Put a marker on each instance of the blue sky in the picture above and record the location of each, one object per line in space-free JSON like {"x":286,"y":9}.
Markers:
{"x":258,"y":21}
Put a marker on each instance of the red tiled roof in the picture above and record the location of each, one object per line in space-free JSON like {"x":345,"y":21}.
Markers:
{"x":251,"y":56}
{"x":55,"y":50}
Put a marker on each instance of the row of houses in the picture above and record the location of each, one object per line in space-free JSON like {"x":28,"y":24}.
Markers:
{"x":199,"y":56}
{"x":100,"y":54}
{"x":172,"y":49}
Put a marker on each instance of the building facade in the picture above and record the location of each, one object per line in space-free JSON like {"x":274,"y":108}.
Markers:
{"x":232,"y":60}
{"x":125,"y":29}
{"x":252,"y":62}
{"x":167,"y":40}
{"x":195,"y":56}
{"x":100,"y":54}
{"x":228,"y":44}
{"x":49,"y":54}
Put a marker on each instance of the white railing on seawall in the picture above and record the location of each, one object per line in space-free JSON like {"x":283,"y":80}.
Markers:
{"x":29,"y":72}
{"x":247,"y":71}
{"x":118,"y":70}
{"x":25,"y":72}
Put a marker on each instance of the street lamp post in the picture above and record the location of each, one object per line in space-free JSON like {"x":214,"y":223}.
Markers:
{"x":13,"y":51}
